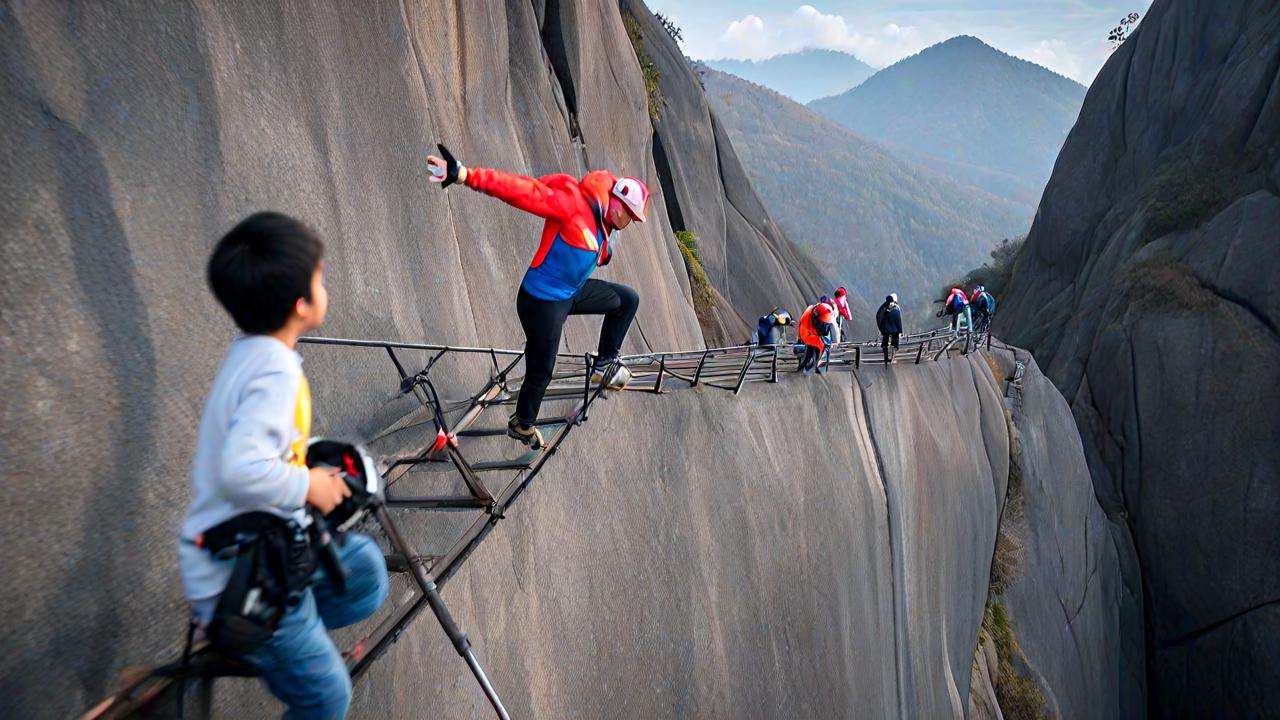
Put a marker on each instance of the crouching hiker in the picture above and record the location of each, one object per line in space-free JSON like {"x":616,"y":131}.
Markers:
{"x":769,"y":329}
{"x":889,"y":322}
{"x":582,"y":219}
{"x":985,"y":305}
{"x":249,"y":519}
{"x":956,"y":305}
{"x":815,"y":334}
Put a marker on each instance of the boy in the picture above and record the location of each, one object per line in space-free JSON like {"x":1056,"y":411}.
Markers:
{"x":268,"y":274}
{"x":582,"y":220}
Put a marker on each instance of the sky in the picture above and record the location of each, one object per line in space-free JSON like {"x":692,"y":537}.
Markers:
{"x":1066,"y":36}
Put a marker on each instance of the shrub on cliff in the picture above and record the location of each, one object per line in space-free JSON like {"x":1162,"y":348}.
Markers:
{"x":698,"y":282}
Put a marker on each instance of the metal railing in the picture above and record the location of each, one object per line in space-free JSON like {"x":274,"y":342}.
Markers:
{"x":726,"y":368}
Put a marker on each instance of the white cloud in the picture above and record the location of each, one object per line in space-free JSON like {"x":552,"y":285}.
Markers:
{"x":751,"y":38}
{"x":746,"y":39}
{"x":1055,"y":55}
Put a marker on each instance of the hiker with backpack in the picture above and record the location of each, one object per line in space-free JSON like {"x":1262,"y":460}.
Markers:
{"x":984,"y":305}
{"x":583,"y":217}
{"x":956,"y":304}
{"x":889,"y":322}
{"x":769,"y":329}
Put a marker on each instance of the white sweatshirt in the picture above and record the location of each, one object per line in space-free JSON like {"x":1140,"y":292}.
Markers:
{"x":251,"y":454}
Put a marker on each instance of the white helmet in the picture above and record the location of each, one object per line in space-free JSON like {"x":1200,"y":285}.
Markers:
{"x":634,"y":196}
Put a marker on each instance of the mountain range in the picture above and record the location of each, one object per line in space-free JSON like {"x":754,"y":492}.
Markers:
{"x":802,"y":76}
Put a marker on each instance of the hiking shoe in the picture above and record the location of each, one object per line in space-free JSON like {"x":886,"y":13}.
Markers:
{"x":527,"y":434}
{"x":616,"y":380}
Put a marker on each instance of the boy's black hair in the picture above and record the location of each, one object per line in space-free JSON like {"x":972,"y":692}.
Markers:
{"x":261,"y":267}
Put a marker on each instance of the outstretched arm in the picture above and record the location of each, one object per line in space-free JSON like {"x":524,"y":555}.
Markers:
{"x":549,"y":197}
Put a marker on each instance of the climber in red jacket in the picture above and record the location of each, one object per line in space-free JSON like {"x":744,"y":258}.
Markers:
{"x":582,"y":217}
{"x":815,"y":334}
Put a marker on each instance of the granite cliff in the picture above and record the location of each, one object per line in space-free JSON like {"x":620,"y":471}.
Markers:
{"x":1147,"y":290}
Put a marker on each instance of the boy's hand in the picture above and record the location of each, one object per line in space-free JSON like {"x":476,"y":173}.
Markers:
{"x":326,"y":489}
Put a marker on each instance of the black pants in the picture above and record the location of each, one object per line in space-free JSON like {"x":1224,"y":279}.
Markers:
{"x":886,"y":339}
{"x":543,"y":321}
{"x":811,"y":357}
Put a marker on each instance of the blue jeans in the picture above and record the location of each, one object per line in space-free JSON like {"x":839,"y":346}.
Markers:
{"x":300,"y":664}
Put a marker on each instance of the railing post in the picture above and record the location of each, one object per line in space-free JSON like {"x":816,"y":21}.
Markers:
{"x":396,"y":360}
{"x":773,"y":371}
{"x":662,"y":369}
{"x":857,"y":357}
{"x":698,"y":373}
{"x":427,"y":585}
{"x":586,"y":385}
{"x":920,"y":354}
{"x":742,"y":376}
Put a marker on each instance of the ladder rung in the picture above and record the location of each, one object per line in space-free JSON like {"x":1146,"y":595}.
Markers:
{"x":397,"y":563}
{"x":495,"y":432}
{"x":519,"y":463}
{"x":437,"y":502}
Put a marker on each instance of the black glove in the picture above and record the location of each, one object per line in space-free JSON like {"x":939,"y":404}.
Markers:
{"x":451,"y":166}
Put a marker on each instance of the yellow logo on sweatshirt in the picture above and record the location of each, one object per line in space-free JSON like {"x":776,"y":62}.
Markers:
{"x":301,"y":423}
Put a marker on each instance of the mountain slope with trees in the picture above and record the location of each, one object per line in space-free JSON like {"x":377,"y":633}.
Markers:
{"x":969,"y":110}
{"x":879,"y":222}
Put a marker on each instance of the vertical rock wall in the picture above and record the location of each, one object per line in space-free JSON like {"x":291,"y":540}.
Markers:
{"x":1147,"y":290}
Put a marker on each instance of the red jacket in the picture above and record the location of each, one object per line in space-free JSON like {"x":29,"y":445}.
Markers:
{"x":575,"y":239}
{"x":812,"y":330}
{"x":841,"y":303}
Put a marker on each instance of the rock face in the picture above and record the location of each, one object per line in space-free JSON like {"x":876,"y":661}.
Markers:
{"x":1147,"y":290}
{"x":710,"y":563}
{"x":1081,"y":637}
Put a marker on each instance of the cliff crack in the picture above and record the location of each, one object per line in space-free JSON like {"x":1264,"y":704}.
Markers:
{"x":1201,"y":632}
{"x":1239,"y":302}
{"x":893,"y":561}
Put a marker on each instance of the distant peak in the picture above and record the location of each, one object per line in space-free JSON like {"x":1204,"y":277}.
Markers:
{"x":962,"y":42}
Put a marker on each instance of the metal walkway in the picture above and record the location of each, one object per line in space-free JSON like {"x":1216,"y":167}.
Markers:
{"x":448,"y":437}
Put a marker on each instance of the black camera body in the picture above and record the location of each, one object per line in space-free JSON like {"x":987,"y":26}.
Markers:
{"x":358,"y":471}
